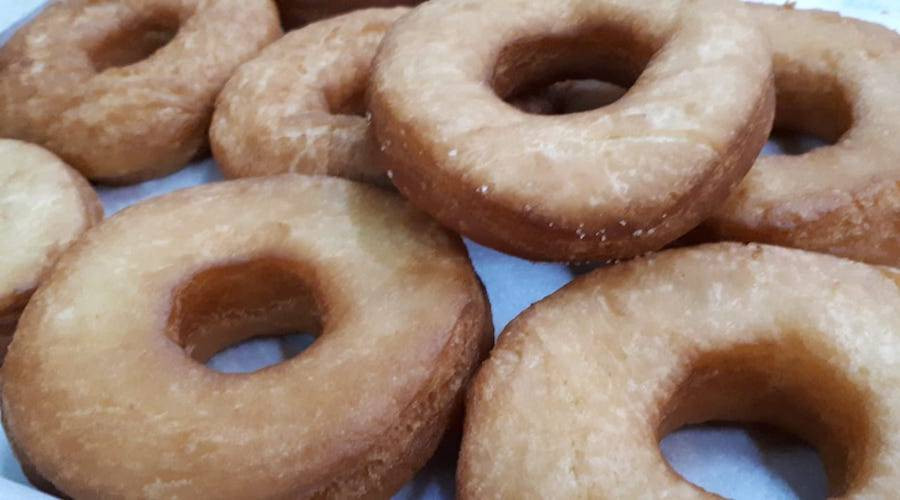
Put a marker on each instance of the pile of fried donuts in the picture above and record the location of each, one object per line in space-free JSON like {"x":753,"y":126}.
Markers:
{"x":359,"y":148}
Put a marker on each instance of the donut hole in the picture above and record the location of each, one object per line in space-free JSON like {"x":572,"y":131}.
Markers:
{"x":791,"y":143}
{"x":597,"y":65}
{"x":786,"y":385}
{"x":135,"y":40}
{"x":812,"y":110}
{"x":350,"y":102}
{"x":746,"y":461}
{"x":224,"y":306}
{"x":569,"y":96}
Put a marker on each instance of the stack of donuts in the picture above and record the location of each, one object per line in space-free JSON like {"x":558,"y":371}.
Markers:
{"x":359,"y":148}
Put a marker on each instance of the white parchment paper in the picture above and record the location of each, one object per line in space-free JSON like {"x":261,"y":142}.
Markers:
{"x":733,"y":461}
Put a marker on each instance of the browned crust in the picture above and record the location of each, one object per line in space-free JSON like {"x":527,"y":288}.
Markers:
{"x":499,"y":225}
{"x":385,"y":460}
{"x":830,"y":90}
{"x":771,"y":375}
{"x":58,"y":96}
{"x":405,"y":447}
{"x":425,"y":167}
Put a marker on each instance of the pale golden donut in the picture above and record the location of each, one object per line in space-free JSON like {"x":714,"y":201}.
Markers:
{"x":44,"y":206}
{"x":613,"y":182}
{"x":101,"y":395}
{"x":123,"y":90}
{"x":582,"y":387}
{"x":836,"y":78}
{"x":291,"y":109}
{"x":296,"y":13}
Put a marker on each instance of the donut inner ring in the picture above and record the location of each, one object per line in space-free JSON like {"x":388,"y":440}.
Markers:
{"x":784,"y":384}
{"x":138,"y":36}
{"x":610,"y":52}
{"x":812,"y":102}
{"x":228,"y":304}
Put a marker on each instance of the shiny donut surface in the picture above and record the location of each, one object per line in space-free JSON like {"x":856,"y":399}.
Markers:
{"x":582,"y":387}
{"x":612,"y":182}
{"x":123,"y":90}
{"x":836,"y":78}
{"x":298,"y":106}
{"x":401,"y":319}
{"x":44,"y":207}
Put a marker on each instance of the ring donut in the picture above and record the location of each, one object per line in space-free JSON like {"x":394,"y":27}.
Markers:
{"x":322,"y":71}
{"x":836,"y":78}
{"x":103,"y":394}
{"x":44,"y":206}
{"x":610,"y":183}
{"x":582,"y":387}
{"x":295,"y":13}
{"x":123,"y":90}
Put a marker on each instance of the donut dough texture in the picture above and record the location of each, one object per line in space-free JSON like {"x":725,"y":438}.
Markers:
{"x":104,"y":389}
{"x":836,"y":78}
{"x":123,"y":90}
{"x":613,"y":182}
{"x":299,"y":106}
{"x":44,"y":207}
{"x":582,"y":386}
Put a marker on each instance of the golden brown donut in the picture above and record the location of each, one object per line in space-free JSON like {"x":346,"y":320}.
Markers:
{"x":123,"y":90}
{"x":104,"y":389}
{"x":836,"y":78}
{"x":582,"y":387}
{"x":610,"y":183}
{"x":298,"y":106}
{"x":44,"y":207}
{"x":296,"y":13}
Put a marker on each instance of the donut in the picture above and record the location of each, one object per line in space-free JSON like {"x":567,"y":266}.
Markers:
{"x":105,"y":393}
{"x":298,"y":106}
{"x":44,"y":207}
{"x":295,"y":13}
{"x":835,"y":78}
{"x":123,"y":90}
{"x":582,"y":387}
{"x":614,"y":182}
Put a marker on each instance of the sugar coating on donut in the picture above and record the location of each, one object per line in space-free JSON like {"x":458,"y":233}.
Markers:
{"x":582,"y":387}
{"x":298,"y":106}
{"x":835,"y":78}
{"x":123,"y":90}
{"x":105,"y":393}
{"x":608,"y":183}
{"x":44,"y":207}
